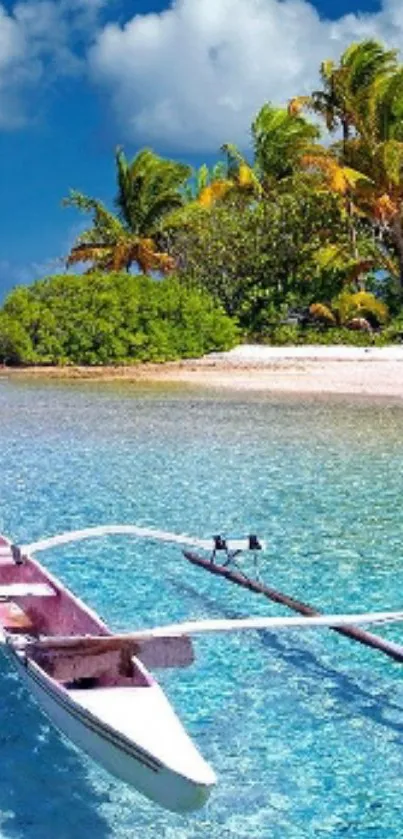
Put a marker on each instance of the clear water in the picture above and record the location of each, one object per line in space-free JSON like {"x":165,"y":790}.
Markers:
{"x":305,"y":732}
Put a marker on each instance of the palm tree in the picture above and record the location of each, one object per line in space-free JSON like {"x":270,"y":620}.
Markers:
{"x":349,"y":87}
{"x":363,"y":95}
{"x":233,"y":177}
{"x":377,"y":151}
{"x":280,"y":138}
{"x":208,"y":185}
{"x":229,"y":179}
{"x":149,"y":189}
{"x":243,"y":175}
{"x":202,"y":178}
{"x":279,"y":141}
{"x":340,"y":180}
{"x":108,"y":244}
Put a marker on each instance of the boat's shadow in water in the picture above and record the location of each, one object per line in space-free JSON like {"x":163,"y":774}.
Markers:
{"x":44,"y":790}
{"x":377,"y":706}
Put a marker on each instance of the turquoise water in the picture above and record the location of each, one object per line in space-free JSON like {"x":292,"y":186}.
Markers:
{"x":305,"y":733}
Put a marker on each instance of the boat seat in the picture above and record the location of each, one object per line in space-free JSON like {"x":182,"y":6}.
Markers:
{"x":11,"y":552}
{"x":9,"y":590}
{"x":6,"y":556}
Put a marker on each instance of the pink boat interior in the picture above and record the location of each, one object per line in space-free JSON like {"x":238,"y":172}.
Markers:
{"x":47,"y":608}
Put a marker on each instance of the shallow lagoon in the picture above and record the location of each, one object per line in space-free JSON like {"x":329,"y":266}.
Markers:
{"x":305,"y":733}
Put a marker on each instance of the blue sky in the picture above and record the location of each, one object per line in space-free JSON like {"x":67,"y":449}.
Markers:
{"x":78,"y":77}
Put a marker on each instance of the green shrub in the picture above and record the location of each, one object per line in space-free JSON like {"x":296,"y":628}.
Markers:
{"x":338,"y":336}
{"x":15,"y":344}
{"x":299,"y":335}
{"x":393,"y":333}
{"x":102,"y":319}
{"x":285,"y":334}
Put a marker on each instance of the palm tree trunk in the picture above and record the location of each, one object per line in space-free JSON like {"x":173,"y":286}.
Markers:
{"x":397,"y":233}
{"x":354,"y":240}
{"x":360,"y":284}
{"x":346,"y":137}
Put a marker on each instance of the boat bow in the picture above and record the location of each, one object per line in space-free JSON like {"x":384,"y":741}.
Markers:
{"x":144,"y":717}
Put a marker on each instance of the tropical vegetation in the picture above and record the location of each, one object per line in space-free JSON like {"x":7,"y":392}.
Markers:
{"x":148,"y":188}
{"x":113,"y":319}
{"x":300,"y":240}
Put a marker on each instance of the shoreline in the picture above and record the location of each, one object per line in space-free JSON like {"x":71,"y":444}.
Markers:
{"x":340,"y":371}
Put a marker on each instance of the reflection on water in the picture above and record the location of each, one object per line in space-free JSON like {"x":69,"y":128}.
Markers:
{"x":39,"y":773}
{"x":304,"y":733}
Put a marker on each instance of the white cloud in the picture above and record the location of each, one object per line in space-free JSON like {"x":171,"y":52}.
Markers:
{"x":193,"y":76}
{"x":39,"y":40}
{"x":189,"y":78}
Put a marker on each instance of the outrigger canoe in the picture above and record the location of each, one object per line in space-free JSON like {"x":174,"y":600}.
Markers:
{"x":95,"y":686}
{"x":106,"y":702}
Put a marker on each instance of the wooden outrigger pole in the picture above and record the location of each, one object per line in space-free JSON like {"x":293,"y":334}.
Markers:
{"x":368,"y":639}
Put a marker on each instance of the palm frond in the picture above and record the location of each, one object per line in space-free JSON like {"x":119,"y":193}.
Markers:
{"x":339,"y":258}
{"x":280,"y":139}
{"x":87,"y":253}
{"x":340,"y":179}
{"x":298,"y":104}
{"x":149,"y":259}
{"x":149,"y":186}
{"x":385,"y":208}
{"x":327,"y":69}
{"x":214,"y":192}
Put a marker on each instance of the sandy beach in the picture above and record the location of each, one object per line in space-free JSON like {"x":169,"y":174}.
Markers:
{"x":367,"y":372}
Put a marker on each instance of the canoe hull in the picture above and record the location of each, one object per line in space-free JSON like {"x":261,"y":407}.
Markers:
{"x":111,"y":708}
{"x":121,"y":757}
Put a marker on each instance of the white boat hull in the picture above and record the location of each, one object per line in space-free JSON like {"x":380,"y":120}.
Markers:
{"x":125,"y":743}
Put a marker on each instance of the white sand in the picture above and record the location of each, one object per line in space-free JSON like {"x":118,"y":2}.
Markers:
{"x":341,"y":370}
{"x":367,"y":372}
{"x":258,"y":354}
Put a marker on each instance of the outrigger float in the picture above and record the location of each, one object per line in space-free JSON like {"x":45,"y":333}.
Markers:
{"x":96,"y":686}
